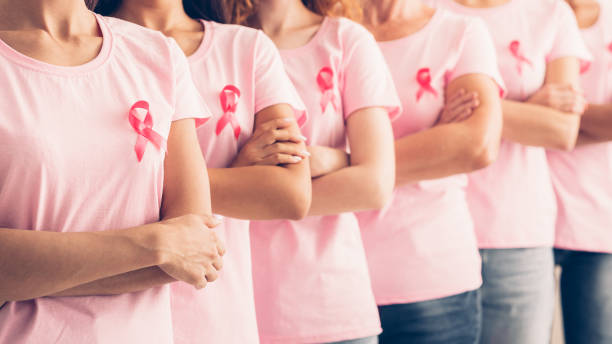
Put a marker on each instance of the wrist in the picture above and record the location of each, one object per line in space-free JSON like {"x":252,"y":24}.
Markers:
{"x":147,"y":242}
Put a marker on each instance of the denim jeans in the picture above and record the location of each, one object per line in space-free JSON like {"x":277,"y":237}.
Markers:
{"x":366,"y":340}
{"x":586,"y":296}
{"x":517,"y":295}
{"x":454,"y":319}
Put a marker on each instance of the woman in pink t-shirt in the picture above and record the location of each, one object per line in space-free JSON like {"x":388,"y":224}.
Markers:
{"x":539,"y":49}
{"x":311,"y":279}
{"x":88,"y":115}
{"x":583,"y":184}
{"x":422,"y":250}
{"x":240,"y":75}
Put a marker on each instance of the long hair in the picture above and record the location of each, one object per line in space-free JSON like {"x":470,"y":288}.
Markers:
{"x":239,"y":11}
{"x":222,"y":11}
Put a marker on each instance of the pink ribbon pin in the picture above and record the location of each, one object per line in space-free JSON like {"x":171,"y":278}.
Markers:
{"x":229,"y":102}
{"x":584,"y":66}
{"x":325,"y":80}
{"x":144,"y":129}
{"x":515,"y":49}
{"x":423,"y":77}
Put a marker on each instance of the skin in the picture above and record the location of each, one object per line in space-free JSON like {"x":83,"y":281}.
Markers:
{"x":534,"y":122}
{"x":38,"y":263}
{"x":290,"y":25}
{"x":468,"y":131}
{"x":258,"y":192}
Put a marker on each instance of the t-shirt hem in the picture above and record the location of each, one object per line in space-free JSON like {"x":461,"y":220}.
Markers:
{"x":426,"y":296}
{"x":393,"y":110}
{"x":331,"y":337}
{"x":509,"y":245}
{"x":299,"y":112}
{"x":581,"y":248}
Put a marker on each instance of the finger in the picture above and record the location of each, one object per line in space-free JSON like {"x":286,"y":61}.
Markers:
{"x":280,"y":159}
{"x":273,"y":136}
{"x":457,"y":94}
{"x":467,"y":98}
{"x":287,"y":148}
{"x":201,"y":281}
{"x":218,"y":264}
{"x":462,"y":109}
{"x":278,"y":123}
{"x":211,"y":274}
{"x":221,"y":247}
{"x":210,"y":221}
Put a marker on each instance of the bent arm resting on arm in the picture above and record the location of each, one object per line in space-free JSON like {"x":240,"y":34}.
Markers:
{"x":368,"y":182}
{"x":186,"y":191}
{"x":271,"y":189}
{"x":534,"y":124}
{"x":596,"y":124}
{"x":456,"y":147}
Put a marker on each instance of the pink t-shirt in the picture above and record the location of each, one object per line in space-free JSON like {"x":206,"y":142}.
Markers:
{"x":234,"y":65}
{"x":68,"y":163}
{"x":311,"y":277}
{"x":427,"y":226}
{"x":512,"y":201}
{"x":583,"y":178}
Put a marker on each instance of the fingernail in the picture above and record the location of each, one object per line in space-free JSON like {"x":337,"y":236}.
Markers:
{"x":288,"y":119}
{"x":303,"y":138}
{"x":305,"y":152}
{"x":297,"y":158}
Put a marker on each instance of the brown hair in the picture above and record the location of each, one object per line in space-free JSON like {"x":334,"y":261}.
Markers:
{"x":341,"y":8}
{"x":241,"y":11}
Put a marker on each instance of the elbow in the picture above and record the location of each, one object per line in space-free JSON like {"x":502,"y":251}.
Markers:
{"x":567,"y":139}
{"x":381,"y":193}
{"x":483,"y":155}
{"x":297,"y":203}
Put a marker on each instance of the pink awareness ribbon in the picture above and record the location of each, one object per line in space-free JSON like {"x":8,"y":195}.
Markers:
{"x":584,"y":66}
{"x":515,"y":49}
{"x":144,"y":129}
{"x":325,"y":80}
{"x":229,"y":102}
{"x":423,"y":77}
{"x":610,"y":50}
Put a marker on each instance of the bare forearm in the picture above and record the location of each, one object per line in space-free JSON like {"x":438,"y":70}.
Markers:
{"x":536,"y":125}
{"x":261,"y":192}
{"x":128,"y":282}
{"x":350,"y":189}
{"x":39,"y":263}
{"x":597,"y":122}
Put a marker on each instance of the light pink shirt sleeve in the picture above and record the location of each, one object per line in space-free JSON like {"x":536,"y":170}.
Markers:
{"x":478,"y":54}
{"x":272,"y":85}
{"x":568,"y":40}
{"x":188,"y":103}
{"x":366,"y":78}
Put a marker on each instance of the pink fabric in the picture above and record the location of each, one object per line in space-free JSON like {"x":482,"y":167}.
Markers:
{"x":311,"y":278}
{"x":238,"y":72}
{"x":512,"y":201}
{"x":427,"y":227}
{"x":583,"y":178}
{"x":67,"y":164}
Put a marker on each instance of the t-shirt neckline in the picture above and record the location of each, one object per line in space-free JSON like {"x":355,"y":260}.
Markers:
{"x":422,"y":31}
{"x":206,"y":42}
{"x":99,"y":60}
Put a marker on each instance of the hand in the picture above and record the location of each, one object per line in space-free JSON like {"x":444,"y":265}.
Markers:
{"x":325,"y":160}
{"x":275,"y":142}
{"x":190,"y":249}
{"x":459,"y":107}
{"x":560,"y":97}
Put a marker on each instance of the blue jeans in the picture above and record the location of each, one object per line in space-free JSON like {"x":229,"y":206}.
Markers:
{"x":517,"y":295}
{"x":366,"y":340}
{"x":454,"y":319}
{"x":586,"y":296}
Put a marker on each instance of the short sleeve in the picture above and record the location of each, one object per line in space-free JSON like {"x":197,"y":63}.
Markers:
{"x":568,"y":40}
{"x":188,"y":102}
{"x":367,"y":81}
{"x":477,"y":54}
{"x":272,"y":84}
